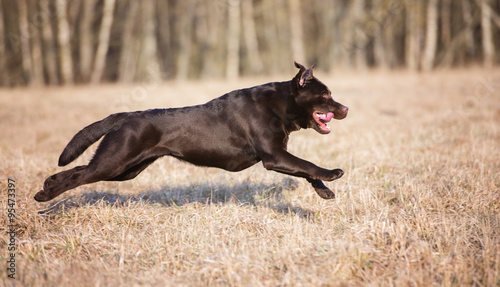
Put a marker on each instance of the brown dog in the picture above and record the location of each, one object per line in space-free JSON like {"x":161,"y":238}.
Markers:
{"x":232,"y":132}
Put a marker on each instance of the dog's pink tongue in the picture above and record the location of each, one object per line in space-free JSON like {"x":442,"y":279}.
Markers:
{"x":329,"y":116}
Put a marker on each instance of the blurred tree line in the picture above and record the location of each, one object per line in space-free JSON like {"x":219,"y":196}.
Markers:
{"x":56,"y":42}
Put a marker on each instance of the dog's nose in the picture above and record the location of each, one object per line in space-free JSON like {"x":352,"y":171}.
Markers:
{"x":345,"y":109}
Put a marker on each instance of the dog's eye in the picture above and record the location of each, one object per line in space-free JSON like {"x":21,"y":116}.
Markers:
{"x":326,"y":96}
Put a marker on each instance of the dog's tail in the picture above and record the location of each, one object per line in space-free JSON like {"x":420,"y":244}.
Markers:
{"x":89,"y":135}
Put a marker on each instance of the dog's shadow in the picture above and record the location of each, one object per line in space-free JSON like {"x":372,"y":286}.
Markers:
{"x":268,"y":195}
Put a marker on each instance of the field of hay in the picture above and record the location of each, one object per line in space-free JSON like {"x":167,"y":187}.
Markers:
{"x":419,"y":204}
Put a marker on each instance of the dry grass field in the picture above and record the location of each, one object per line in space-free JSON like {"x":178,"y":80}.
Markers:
{"x":419,"y":204}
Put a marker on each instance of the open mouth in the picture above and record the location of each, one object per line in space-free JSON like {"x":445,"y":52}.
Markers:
{"x":323,"y":119}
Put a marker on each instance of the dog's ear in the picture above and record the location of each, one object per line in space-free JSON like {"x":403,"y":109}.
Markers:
{"x":304,"y":75}
{"x":299,"y":66}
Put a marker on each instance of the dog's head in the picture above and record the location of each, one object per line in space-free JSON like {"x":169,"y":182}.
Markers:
{"x":314,"y":101}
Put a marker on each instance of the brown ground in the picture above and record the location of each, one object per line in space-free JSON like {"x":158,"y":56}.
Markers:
{"x":419,"y":203}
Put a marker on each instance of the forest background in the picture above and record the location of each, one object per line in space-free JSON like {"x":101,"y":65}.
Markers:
{"x":60,"y":42}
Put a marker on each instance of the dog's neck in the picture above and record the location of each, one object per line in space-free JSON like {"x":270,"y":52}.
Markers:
{"x":296,"y":119}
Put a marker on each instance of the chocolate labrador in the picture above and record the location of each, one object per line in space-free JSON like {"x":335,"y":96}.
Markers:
{"x":232,"y":132}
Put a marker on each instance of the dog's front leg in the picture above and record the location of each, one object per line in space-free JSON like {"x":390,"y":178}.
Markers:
{"x":287,"y":163}
{"x":320,"y":188}
{"x":284,"y":162}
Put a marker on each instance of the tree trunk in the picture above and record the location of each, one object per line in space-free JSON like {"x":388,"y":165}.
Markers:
{"x":446,"y":22}
{"x":354,"y":39}
{"x":346,"y":42}
{"x":271,"y":36}
{"x":49,"y":57}
{"x":297,"y":38}
{"x":103,"y":44}
{"x":495,"y":17}
{"x":327,"y":22}
{"x":63,"y":39}
{"x":86,"y":43}
{"x":431,"y":36}
{"x":127,"y":65}
{"x":164,"y":37}
{"x":379,"y":48}
{"x":469,"y":33}
{"x":148,"y":68}
{"x":36,"y":48}
{"x":361,"y":39}
{"x":412,"y":35}
{"x":183,"y":30}
{"x":278,"y":55}
{"x":4,"y":74}
{"x":254,"y":59}
{"x":487,"y":35}
{"x":25,"y":40}
{"x":233,"y":40}
{"x":391,"y":43}
{"x":211,"y":36}
{"x":282,"y":22}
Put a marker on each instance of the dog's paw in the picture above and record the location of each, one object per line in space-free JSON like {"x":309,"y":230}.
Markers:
{"x":320,"y":188}
{"x":335,"y":174}
{"x":325,"y":193}
{"x":42,"y":196}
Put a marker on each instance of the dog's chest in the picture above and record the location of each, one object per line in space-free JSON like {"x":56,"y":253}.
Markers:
{"x":228,"y":159}
{"x":285,"y":142}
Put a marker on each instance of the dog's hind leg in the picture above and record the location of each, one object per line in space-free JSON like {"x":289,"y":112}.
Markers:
{"x":60,"y":182}
{"x":63,"y":181}
{"x":99,"y":168}
{"x":111,"y":162}
{"x":133,"y":171}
